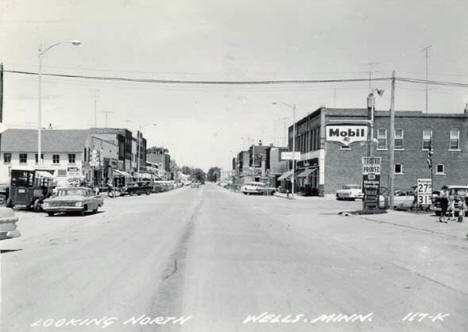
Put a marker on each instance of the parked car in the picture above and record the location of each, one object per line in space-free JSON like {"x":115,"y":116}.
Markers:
{"x":350,"y":192}
{"x":458,"y":193}
{"x":257,"y":188}
{"x":73,"y":199}
{"x":8,"y":222}
{"x":403,"y":200}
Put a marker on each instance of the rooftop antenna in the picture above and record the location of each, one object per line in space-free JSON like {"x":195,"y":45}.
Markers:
{"x":371,"y":65}
{"x":96,"y":97}
{"x":107,"y":116}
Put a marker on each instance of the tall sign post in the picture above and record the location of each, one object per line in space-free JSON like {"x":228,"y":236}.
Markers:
{"x":371,"y":169}
{"x":424,"y":192}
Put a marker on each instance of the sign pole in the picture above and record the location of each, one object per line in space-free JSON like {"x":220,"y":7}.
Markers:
{"x":391,"y":171}
{"x":294,"y":149}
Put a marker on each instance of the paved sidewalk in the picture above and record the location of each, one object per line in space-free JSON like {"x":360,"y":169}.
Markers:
{"x":296,"y":196}
{"x":422,"y":222}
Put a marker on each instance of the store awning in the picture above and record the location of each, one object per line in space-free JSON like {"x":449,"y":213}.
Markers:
{"x":121,"y":173}
{"x":285,"y":175}
{"x":44,"y":174}
{"x":145,"y":176}
{"x":306,"y":172}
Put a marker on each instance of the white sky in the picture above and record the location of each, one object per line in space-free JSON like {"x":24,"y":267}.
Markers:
{"x":224,"y":40}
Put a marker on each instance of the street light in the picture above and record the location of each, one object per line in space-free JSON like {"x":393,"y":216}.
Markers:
{"x":41,"y":53}
{"x":293,"y":107}
{"x":371,"y":110}
{"x":138,"y":145}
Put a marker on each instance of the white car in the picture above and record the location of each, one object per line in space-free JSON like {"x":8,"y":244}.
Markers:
{"x":258,"y":188}
{"x":350,"y":192}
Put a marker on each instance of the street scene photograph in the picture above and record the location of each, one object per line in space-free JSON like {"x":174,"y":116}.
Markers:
{"x":233,"y":166}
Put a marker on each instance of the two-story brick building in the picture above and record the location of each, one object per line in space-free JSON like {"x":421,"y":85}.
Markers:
{"x":325,"y":165}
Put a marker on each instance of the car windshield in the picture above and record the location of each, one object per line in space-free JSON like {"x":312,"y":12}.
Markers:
{"x":71,"y":192}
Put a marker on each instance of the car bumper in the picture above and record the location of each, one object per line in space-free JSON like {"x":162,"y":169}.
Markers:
{"x":63,"y":209}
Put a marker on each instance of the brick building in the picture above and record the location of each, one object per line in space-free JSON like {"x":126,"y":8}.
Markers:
{"x":326,"y":165}
{"x":160,"y":156}
{"x":123,"y":139}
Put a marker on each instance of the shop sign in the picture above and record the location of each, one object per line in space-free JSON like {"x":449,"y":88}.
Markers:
{"x":371,"y":165}
{"x":291,"y":155}
{"x":73,"y":171}
{"x":371,"y":182}
{"x":346,"y":134}
{"x":424,"y":191}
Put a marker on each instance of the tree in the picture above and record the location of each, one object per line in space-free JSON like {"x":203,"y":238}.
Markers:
{"x":214,"y":173}
{"x":186,"y":170}
{"x":198,"y":175}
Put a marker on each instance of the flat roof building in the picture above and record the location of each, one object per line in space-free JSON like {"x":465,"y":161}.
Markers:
{"x":327,"y":165}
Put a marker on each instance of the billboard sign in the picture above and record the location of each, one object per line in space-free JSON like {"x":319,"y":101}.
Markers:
{"x":346,"y":134}
{"x":291,"y":155}
{"x":424,"y":191}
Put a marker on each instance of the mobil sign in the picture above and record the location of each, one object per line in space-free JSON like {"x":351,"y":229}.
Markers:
{"x":346,"y":134}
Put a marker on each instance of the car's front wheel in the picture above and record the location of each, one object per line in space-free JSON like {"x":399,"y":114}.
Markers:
{"x":50,"y":214}
{"x":83,"y":212}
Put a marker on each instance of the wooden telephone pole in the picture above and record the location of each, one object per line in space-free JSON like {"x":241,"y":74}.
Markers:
{"x":391,"y":172}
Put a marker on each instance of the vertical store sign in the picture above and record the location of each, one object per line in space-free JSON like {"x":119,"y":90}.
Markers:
{"x":424,"y":192}
{"x":371,"y":182}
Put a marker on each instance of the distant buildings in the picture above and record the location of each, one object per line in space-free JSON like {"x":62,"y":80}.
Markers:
{"x":260,"y":163}
{"x":160,"y":157}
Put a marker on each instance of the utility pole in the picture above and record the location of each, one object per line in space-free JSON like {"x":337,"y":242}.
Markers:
{"x":294,"y":150}
{"x":334,"y":97}
{"x":1,"y":98}
{"x":285,"y":131}
{"x":426,"y":49}
{"x":107,"y":115}
{"x":96,"y":96}
{"x":1,"y":92}
{"x":392,"y":144}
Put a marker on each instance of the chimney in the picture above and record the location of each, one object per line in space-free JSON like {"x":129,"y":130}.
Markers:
{"x":466,"y":109}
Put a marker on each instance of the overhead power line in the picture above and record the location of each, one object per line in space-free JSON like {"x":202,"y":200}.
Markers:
{"x":206,"y":82}
{"x":252,"y":82}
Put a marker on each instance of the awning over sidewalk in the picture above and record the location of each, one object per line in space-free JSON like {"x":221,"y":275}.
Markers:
{"x":121,"y":173}
{"x":285,"y":175}
{"x":306,"y":172}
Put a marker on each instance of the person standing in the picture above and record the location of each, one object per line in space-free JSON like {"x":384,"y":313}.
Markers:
{"x":451,"y":205}
{"x":462,"y":207}
{"x":443,"y":204}
{"x":110,"y":188}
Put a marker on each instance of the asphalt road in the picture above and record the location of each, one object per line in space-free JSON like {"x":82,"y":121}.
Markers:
{"x":209,"y":260}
